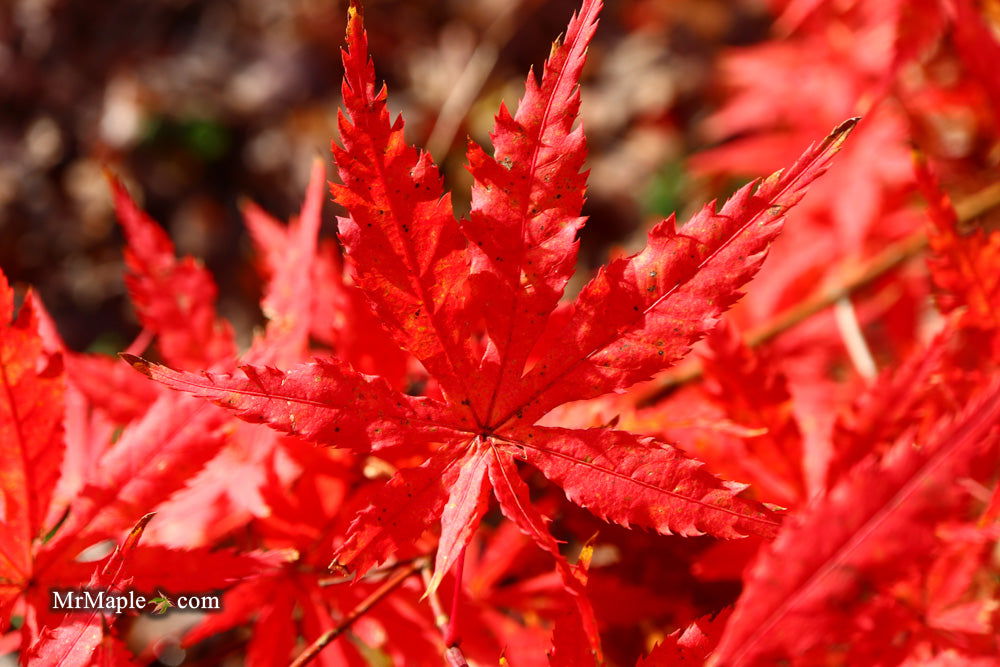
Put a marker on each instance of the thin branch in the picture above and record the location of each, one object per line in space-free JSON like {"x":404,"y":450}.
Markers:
{"x":440,"y":617}
{"x":453,"y":654}
{"x":455,"y":658}
{"x":854,"y":339}
{"x":390,"y":584}
{"x":477,"y":70}
{"x":892,"y":257}
{"x":375,"y":574}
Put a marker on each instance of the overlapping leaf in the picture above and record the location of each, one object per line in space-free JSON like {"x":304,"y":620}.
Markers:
{"x":861,"y":532}
{"x":470,"y":302}
{"x":174,"y":298}
{"x":74,"y":641}
{"x":31,"y":442}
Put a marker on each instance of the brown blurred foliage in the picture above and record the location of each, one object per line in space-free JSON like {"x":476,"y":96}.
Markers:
{"x":198,"y":103}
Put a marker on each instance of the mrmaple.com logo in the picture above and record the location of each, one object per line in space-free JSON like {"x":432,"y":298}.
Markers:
{"x":86,"y":599}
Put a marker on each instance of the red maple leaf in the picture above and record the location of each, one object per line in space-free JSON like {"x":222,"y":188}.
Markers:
{"x":63,"y":489}
{"x":804,"y":588}
{"x":31,"y":391}
{"x":75,"y":639}
{"x":174,"y":298}
{"x":472,"y":301}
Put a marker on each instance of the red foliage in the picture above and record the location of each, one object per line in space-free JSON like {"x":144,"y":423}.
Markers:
{"x":861,"y":521}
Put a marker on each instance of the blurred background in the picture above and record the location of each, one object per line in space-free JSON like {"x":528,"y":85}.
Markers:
{"x":197,"y":103}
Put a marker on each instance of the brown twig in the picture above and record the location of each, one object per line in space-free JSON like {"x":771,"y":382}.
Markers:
{"x":454,"y":657}
{"x":895,"y":255}
{"x":453,"y":654}
{"x":360,"y":610}
{"x":477,"y":70}
{"x":375,"y":574}
{"x":440,"y":617}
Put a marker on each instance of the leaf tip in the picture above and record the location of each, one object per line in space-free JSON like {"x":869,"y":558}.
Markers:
{"x":138,"y":363}
{"x":109,"y":175}
{"x":140,"y":526}
{"x":354,"y":10}
{"x":338,"y":568}
{"x":244,"y":203}
{"x":841,"y":132}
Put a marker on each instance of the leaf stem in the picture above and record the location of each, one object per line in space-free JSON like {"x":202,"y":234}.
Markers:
{"x":453,"y":654}
{"x":375,"y":574}
{"x":854,"y":339}
{"x":440,"y":617}
{"x":451,"y":636}
{"x":893,"y":256}
{"x":455,"y":658}
{"x":390,"y":584}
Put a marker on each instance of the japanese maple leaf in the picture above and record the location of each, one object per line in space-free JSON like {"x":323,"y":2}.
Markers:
{"x":44,"y":441}
{"x":175,"y":298}
{"x":805,"y":587}
{"x":472,"y":301}
{"x":688,"y":647}
{"x":226,"y":492}
{"x":75,"y":639}
{"x":962,"y":267}
{"x":754,"y":394}
{"x":31,"y":442}
{"x":72,"y":638}
{"x":300,"y":597}
{"x":339,"y":318}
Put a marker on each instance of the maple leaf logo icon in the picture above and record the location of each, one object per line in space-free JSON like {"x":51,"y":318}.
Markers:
{"x":161,"y":603}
